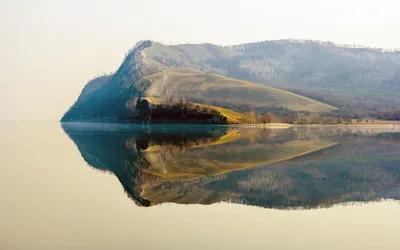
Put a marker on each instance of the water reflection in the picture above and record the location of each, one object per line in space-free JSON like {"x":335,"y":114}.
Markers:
{"x":272,"y":168}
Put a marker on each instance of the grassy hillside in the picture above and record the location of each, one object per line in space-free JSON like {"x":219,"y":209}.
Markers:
{"x":227,"y":92}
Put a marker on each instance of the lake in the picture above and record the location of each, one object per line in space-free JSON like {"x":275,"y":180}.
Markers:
{"x":109,"y":186}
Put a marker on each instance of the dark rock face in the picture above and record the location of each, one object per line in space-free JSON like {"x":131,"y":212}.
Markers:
{"x":143,"y":110}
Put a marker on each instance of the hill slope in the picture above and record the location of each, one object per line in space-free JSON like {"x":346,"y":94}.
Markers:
{"x":106,"y":100}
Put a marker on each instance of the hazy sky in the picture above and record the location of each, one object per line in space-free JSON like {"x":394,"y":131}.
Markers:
{"x":49,"y":49}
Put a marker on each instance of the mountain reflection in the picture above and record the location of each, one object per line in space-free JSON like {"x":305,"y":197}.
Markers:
{"x":272,"y":168}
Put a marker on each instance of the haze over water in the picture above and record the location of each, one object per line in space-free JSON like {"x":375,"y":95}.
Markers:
{"x":130,"y":187}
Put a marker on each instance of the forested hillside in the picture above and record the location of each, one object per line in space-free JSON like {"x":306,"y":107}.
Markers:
{"x":344,"y":76}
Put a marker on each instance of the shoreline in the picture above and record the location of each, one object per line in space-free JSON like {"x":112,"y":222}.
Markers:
{"x":255,"y":125}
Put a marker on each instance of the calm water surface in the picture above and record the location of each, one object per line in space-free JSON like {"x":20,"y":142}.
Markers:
{"x":80,"y":186}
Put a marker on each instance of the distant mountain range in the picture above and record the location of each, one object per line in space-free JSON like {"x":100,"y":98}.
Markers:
{"x":283,"y":75}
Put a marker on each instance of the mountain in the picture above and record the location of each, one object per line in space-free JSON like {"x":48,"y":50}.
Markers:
{"x":282,"y":75}
{"x":154,"y":70}
{"x":272,"y":168}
